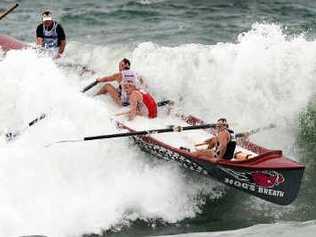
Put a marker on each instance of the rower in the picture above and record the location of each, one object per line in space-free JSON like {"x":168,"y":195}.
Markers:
{"x":125,"y":73}
{"x":50,"y":35}
{"x":141,"y":102}
{"x":220,"y":146}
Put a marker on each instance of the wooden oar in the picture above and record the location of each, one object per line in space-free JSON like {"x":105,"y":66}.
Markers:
{"x":9,"y":10}
{"x":138,"y":133}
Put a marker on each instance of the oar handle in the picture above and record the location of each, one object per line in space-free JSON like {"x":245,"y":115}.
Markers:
{"x":88,"y":87}
{"x":9,"y":10}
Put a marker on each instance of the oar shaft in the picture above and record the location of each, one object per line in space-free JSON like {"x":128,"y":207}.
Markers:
{"x":88,"y":87}
{"x":254,"y":131}
{"x":9,"y":10}
{"x":148,"y":132}
{"x":165,"y":102}
{"x":36,"y":120}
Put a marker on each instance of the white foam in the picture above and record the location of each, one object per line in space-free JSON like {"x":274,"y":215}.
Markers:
{"x":68,"y":189}
{"x":306,"y":229}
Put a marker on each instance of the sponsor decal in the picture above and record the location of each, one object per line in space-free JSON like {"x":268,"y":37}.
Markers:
{"x":262,"y":182}
{"x":166,"y":154}
{"x":267,"y":179}
{"x":254,"y":188}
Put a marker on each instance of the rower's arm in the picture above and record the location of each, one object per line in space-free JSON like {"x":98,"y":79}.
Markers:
{"x":39,"y":41}
{"x":39,"y":35}
{"x":201,"y":144}
{"x":223,"y":139}
{"x":62,"y":46}
{"x":206,"y":142}
{"x":61,"y":38}
{"x":114,"y":77}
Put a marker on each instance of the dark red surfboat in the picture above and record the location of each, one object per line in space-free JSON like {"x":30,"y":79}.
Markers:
{"x":8,"y":42}
{"x":267,"y":174}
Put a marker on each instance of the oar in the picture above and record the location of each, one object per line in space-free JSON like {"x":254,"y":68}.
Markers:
{"x":83,"y":69}
{"x":11,"y":135}
{"x":254,"y":131}
{"x":139,"y":133}
{"x":9,"y":10}
{"x":88,"y":87}
{"x":165,"y":102}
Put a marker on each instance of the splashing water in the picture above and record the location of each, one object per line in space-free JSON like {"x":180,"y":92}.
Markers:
{"x":70,"y":189}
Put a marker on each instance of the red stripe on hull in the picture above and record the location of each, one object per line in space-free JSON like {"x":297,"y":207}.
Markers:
{"x":8,"y":42}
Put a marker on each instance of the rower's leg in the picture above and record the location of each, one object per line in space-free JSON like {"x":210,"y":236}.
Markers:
{"x":108,"y":88}
{"x":206,"y":155}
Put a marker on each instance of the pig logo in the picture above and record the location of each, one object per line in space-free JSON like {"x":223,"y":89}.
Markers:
{"x":267,"y":179}
{"x":264,"y":178}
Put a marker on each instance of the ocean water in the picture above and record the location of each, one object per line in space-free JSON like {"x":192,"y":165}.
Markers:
{"x":250,"y":61}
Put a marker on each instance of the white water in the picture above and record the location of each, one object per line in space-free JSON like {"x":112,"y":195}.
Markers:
{"x":69,"y":189}
{"x":306,"y":229}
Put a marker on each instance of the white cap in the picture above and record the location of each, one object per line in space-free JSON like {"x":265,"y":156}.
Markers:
{"x":47,"y":16}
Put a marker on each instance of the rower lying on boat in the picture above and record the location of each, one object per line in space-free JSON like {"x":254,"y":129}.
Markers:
{"x":141,"y":102}
{"x":220,"y":146}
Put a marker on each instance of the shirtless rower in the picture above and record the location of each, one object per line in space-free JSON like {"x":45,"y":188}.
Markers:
{"x":220,"y":146}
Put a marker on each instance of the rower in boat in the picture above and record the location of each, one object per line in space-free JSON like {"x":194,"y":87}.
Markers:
{"x":125,"y":73}
{"x":50,"y":35}
{"x":141,"y":102}
{"x":220,"y":146}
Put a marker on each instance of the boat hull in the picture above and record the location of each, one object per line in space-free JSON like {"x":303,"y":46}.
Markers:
{"x":270,"y":176}
{"x":8,"y":42}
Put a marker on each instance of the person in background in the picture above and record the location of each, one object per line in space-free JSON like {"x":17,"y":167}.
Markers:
{"x":50,"y":35}
{"x":118,"y":94}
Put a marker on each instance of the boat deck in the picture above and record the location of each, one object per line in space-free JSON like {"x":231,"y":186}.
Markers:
{"x":185,"y":139}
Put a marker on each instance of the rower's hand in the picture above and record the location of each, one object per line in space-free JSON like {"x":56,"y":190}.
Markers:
{"x":59,"y":55}
{"x":98,"y":79}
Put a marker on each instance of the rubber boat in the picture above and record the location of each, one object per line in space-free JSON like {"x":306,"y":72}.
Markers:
{"x":266,"y":174}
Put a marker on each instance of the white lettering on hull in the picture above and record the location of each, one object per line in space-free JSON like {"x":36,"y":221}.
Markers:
{"x":252,"y":188}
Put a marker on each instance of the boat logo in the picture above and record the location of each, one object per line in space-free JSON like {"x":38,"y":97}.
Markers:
{"x":264,"y":178}
{"x":267,"y":179}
